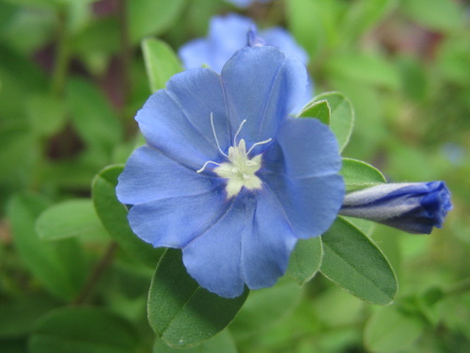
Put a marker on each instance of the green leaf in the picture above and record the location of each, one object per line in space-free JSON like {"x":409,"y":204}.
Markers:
{"x":59,"y":265}
{"x":181,"y":312}
{"x":19,"y":314}
{"x":152,"y":17}
{"x":71,"y":218}
{"x":392,"y":330}
{"x":360,"y":175}
{"x":305,"y":260}
{"x":354,"y":263}
{"x":317,"y":109}
{"x":160,"y":61}
{"x":342,"y":116}
{"x":262,"y":308}
{"x":220,"y":343}
{"x":47,"y":114}
{"x":83,"y":330}
{"x":113,"y":214}
{"x":93,"y":117}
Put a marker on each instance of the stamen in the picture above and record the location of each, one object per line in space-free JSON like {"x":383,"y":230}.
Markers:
{"x":215,"y":136}
{"x":259,"y":143}
{"x":205,"y":165}
{"x":238,"y":131}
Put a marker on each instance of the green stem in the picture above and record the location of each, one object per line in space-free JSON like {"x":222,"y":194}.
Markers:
{"x":96,"y":275}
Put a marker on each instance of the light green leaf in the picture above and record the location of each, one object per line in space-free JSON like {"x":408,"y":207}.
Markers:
{"x":152,"y":17}
{"x":181,"y":312}
{"x":47,"y":114}
{"x":71,"y":218}
{"x":113,"y":214}
{"x":342,"y":116}
{"x":442,"y":15}
{"x":80,"y":330}
{"x":354,"y":263}
{"x":263,"y":308}
{"x":220,"y":343}
{"x":317,"y":109}
{"x":160,"y":61}
{"x":360,"y":175}
{"x":60,"y":266}
{"x":305,"y":260}
{"x":392,"y":330}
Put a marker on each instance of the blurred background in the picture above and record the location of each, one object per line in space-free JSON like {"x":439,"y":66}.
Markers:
{"x":72,"y":76}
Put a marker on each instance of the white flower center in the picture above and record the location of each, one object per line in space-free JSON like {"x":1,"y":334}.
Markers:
{"x":240,"y":169}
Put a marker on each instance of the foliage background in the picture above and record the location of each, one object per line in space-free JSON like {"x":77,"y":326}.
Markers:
{"x":72,"y":76}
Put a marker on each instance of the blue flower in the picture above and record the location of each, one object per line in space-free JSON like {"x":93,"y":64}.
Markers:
{"x":245,"y":3}
{"x":412,"y":207}
{"x":229,"y":34}
{"x":228,"y":176}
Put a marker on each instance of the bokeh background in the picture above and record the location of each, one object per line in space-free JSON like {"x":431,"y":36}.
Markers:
{"x":72,"y":76}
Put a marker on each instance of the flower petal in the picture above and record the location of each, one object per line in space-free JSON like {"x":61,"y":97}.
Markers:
{"x":196,"y":53}
{"x":309,"y":149}
{"x":213,"y":258}
{"x":160,"y":222}
{"x":150,"y":175}
{"x":177,"y":120}
{"x":263,"y":87}
{"x":280,"y":38}
{"x":266,"y":247}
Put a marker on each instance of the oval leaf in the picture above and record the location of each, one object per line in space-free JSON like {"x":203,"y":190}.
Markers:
{"x":342,"y":116}
{"x":181,"y":312}
{"x":61,"y":265}
{"x":79,"y":330}
{"x":359,"y":175}
{"x":390,"y":330}
{"x":354,"y":263}
{"x":113,"y":214}
{"x":70,"y":218}
{"x":305,"y":260}
{"x":160,"y":62}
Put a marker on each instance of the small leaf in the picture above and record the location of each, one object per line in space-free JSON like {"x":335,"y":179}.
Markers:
{"x":317,"y":109}
{"x":359,"y":175}
{"x":160,"y":61}
{"x":220,"y":343}
{"x":60,"y":266}
{"x":305,"y":260}
{"x":342,"y":116}
{"x":71,"y":218}
{"x":391,"y":330}
{"x":354,"y":263}
{"x":181,"y":312}
{"x":80,"y":330}
{"x":113,"y":214}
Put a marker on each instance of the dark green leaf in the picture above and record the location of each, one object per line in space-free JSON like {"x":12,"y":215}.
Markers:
{"x":160,"y":61}
{"x":342,"y":116}
{"x":181,"y":312}
{"x":59,"y":265}
{"x":305,"y":260}
{"x":83,"y":330}
{"x":353,"y":262}
{"x":71,"y":218}
{"x":113,"y":214}
{"x":359,"y":175}
{"x":317,"y":109}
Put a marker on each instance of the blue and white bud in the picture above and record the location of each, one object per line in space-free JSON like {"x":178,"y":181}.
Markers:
{"x":412,"y":207}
